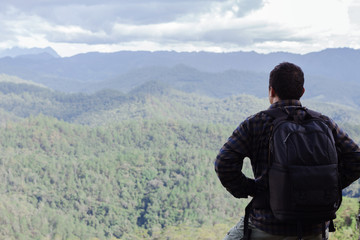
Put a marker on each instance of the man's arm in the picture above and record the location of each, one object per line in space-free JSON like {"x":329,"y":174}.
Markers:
{"x":229,"y":163}
{"x":348,"y":155}
{"x":349,"y":168}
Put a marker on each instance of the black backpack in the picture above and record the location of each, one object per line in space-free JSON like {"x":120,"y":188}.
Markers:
{"x":303,"y":176}
{"x":303,"y":169}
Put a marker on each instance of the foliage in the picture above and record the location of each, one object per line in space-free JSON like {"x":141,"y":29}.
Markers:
{"x":74,"y":181}
{"x":345,"y":222}
{"x":132,"y":166}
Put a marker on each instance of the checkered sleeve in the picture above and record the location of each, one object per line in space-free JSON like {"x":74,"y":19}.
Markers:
{"x":229,"y":163}
{"x":348,"y":155}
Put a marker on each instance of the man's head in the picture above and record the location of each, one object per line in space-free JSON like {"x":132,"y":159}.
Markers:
{"x":286,"y":81}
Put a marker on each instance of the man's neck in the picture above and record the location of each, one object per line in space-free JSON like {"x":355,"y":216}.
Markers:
{"x":274,"y":99}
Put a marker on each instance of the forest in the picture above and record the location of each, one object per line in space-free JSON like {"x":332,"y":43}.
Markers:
{"x":137,"y":165}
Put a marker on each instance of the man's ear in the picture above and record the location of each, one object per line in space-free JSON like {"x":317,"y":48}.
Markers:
{"x":272,"y":92}
{"x":303,"y":92}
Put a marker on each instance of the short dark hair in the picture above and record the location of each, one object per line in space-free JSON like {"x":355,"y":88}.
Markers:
{"x":287,"y":80}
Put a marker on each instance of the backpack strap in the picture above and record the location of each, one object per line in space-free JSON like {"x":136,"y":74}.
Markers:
{"x":247,"y":230}
{"x":323,"y":231}
{"x":299,"y":231}
{"x":332,"y":226}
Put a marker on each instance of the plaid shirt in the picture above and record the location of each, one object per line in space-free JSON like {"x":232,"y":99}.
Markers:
{"x":251,"y":139}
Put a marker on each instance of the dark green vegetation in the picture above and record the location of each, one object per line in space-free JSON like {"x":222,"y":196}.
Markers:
{"x":62,"y":179}
{"x":130,"y":166}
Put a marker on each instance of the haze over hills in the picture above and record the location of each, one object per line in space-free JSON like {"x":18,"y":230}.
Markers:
{"x":329,"y":73}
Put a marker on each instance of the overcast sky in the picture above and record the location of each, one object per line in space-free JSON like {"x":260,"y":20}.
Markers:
{"x":75,"y":26}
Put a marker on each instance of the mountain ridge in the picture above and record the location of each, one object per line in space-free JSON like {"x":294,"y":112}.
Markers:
{"x":18,"y":52}
{"x":149,"y":100}
{"x":328,"y":73}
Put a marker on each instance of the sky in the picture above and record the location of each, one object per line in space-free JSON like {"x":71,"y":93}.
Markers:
{"x":77,"y":26}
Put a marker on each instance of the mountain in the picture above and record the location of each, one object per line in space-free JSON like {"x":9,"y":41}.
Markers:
{"x":329,"y":73}
{"x":190,"y":80}
{"x":16,"y":52}
{"x":147,"y":101}
{"x":13,"y":79}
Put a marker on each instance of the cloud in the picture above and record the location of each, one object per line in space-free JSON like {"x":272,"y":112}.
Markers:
{"x":88,"y":13}
{"x":312,"y":25}
{"x":217,"y":25}
{"x":111,"y":22}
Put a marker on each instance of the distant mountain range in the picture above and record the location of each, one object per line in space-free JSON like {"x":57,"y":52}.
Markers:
{"x":330,"y":75}
{"x":23,"y":52}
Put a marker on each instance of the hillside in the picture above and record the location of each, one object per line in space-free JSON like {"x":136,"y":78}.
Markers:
{"x":136,"y":165}
{"x":76,"y":181}
{"x":148,"y":101}
{"x":124,"y":180}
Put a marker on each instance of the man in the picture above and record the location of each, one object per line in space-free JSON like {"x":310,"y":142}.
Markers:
{"x":251,"y":139}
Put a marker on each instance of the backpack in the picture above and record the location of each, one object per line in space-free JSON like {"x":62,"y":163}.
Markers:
{"x":303,"y":172}
{"x":303,"y":176}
